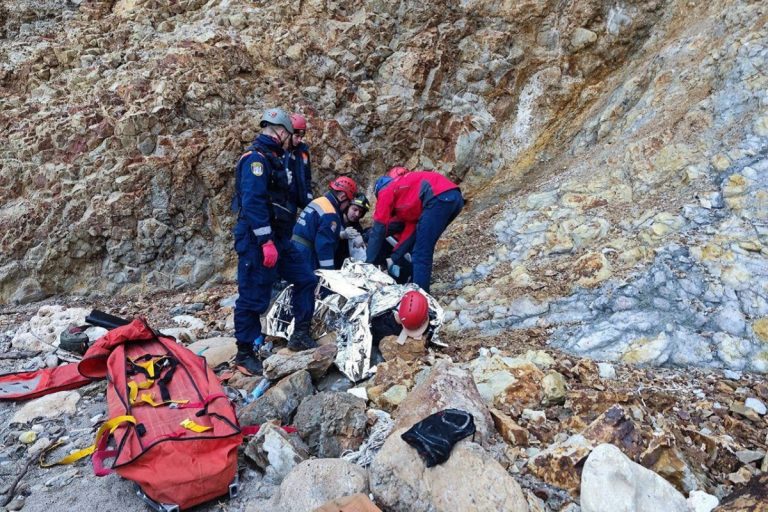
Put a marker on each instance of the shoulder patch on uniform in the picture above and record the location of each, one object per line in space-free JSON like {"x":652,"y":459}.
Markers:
{"x":257,"y":168}
{"x":333,"y":226}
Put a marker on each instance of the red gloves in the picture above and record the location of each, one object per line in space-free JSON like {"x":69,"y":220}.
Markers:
{"x":269,"y":251}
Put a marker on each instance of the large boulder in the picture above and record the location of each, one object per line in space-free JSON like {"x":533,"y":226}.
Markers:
{"x":315,"y":482}
{"x":448,"y":386}
{"x":469,"y":480}
{"x":280,"y":401}
{"x":611,"y":482}
{"x":316,"y":361}
{"x":332,"y":422}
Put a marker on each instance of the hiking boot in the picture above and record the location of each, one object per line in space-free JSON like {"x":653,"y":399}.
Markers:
{"x":301,"y":340}
{"x":246,"y":361}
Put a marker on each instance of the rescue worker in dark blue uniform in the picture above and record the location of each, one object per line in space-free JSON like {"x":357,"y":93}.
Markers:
{"x":298,"y":162}
{"x":317,"y":231}
{"x":263,"y":242}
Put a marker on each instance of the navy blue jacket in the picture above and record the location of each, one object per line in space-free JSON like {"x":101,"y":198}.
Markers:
{"x":263,"y":196}
{"x":299,"y":164}
{"x":318,"y":229}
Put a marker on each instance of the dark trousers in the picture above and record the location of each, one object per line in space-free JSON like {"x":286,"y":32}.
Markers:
{"x":254,"y":284}
{"x":437,"y":214}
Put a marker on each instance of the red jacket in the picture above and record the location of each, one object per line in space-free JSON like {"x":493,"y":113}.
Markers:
{"x":403,"y":200}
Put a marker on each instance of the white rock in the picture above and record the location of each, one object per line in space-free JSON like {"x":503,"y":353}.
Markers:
{"x":215,"y":350}
{"x":190,"y":322}
{"x":756,"y":405}
{"x":359,"y":392}
{"x":700,"y":501}
{"x":50,"y":406}
{"x":607,"y":371}
{"x":582,"y":37}
{"x":534,"y":416}
{"x":42,"y":331}
{"x":611,"y":482}
{"x":40,"y":445}
{"x":182,"y":334}
{"x":95,"y":332}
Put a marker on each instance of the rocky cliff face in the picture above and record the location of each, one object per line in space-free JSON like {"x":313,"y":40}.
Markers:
{"x":614,"y":153}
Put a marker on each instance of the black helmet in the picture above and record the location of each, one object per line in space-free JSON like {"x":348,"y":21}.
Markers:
{"x":361,"y":201}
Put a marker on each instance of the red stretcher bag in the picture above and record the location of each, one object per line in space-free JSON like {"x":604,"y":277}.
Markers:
{"x":174,"y":430}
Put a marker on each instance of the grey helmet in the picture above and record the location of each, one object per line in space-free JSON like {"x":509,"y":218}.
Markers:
{"x":277,"y":117}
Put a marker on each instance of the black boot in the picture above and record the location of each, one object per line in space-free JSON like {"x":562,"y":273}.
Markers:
{"x":300,"y":339}
{"x":246,"y":361}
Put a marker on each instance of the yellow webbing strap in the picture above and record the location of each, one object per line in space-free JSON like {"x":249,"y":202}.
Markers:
{"x":109,"y":427}
{"x":149,"y":399}
{"x":134,"y":387}
{"x":194,"y":427}
{"x":149,"y":366}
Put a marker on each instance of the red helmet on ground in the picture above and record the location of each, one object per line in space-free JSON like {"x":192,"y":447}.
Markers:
{"x":344,"y":184}
{"x":413,"y":314}
{"x":394,"y":172}
{"x":298,"y":121}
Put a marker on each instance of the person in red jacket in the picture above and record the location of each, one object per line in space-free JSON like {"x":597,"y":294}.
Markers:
{"x":426,"y":202}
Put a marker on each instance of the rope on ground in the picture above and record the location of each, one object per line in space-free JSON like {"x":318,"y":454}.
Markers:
{"x":371,"y":446}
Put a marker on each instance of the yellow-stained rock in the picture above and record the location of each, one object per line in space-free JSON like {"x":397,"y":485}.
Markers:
{"x":410,"y":350}
{"x":664,"y":458}
{"x":736,"y":276}
{"x":721,"y":162}
{"x":735,"y":185}
{"x":760,"y":326}
{"x":645,"y":350}
{"x":560,"y":464}
{"x":672,"y":158}
{"x":761,"y":126}
{"x":554,"y":387}
{"x":616,"y":426}
{"x":510,"y":431}
{"x":591,"y":269}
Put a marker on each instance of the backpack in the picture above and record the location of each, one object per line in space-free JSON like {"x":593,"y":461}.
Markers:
{"x":175,"y":431}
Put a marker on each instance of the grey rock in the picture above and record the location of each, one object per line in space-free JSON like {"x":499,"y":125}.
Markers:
{"x":29,"y":290}
{"x":316,"y":361}
{"x":747,"y":456}
{"x":275,"y":452}
{"x":331,"y":423}
{"x":731,"y":320}
{"x":314,"y":482}
{"x":278,"y":402}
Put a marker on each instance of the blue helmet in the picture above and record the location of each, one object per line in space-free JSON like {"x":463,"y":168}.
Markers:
{"x":381,"y":183}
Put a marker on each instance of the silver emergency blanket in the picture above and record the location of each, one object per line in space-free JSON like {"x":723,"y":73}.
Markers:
{"x":345,"y":302}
